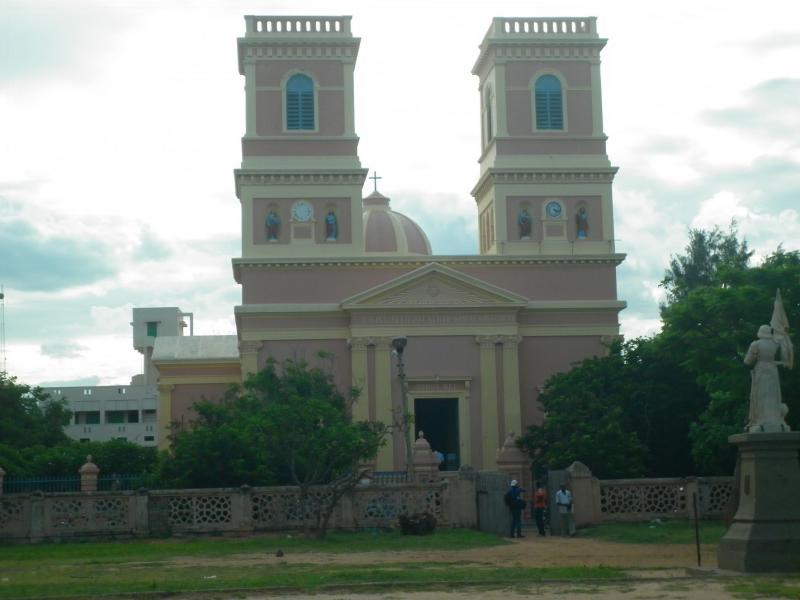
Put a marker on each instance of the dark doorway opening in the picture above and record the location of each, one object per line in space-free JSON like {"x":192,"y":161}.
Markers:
{"x":438,"y":419}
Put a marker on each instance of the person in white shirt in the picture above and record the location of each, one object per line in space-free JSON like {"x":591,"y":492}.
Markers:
{"x":564,"y":502}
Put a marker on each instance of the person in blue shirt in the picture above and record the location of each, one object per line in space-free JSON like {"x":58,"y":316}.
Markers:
{"x":515,"y":504}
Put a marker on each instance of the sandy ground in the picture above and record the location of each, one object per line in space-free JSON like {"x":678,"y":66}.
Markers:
{"x":527,"y":552}
{"x":660,"y":572}
{"x":663,"y":590}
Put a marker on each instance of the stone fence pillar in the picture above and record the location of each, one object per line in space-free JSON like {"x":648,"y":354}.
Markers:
{"x":89,"y":472}
{"x":426,"y":467}
{"x":512,"y":461}
{"x":2,"y":475}
{"x":585,"y":494}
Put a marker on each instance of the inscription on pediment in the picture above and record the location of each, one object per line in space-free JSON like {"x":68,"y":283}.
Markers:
{"x":438,"y":292}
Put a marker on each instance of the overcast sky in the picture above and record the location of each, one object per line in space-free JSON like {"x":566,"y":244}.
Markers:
{"x":120,"y":125}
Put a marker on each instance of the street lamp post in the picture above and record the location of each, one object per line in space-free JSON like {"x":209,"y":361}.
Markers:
{"x":398,"y":346}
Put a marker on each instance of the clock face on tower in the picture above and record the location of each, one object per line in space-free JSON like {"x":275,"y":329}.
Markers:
{"x":302,"y":211}
{"x":553,"y":210}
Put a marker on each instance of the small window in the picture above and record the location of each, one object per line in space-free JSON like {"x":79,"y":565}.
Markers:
{"x":115,"y":416}
{"x":548,"y":103}
{"x":91,"y":417}
{"x":152,"y":328}
{"x":300,"y":102}
{"x":149,"y":438}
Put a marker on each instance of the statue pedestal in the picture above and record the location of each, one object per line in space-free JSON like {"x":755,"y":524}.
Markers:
{"x":765,"y":533}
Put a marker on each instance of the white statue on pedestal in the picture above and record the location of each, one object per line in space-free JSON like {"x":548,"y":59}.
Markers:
{"x":772,"y":348}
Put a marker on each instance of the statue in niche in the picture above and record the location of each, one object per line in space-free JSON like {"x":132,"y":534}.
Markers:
{"x":331,"y":227}
{"x":524,"y":221}
{"x":773,"y":348}
{"x":273,"y":224}
{"x":581,"y":223}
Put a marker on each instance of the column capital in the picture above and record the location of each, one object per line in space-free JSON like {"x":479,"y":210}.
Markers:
{"x":359,"y":343}
{"x":488,"y":340}
{"x":510,"y":341}
{"x":250,"y":347}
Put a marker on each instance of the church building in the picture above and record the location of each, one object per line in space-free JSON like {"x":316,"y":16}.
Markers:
{"x":332,"y":277}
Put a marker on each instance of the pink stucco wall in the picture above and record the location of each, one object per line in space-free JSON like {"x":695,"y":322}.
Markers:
{"x":308,"y":350}
{"x":324,"y":72}
{"x":534,"y":206}
{"x":521,"y":73}
{"x":541,"y":357}
{"x":185,"y":395}
{"x":301,"y":144}
{"x":549,"y":146}
{"x":544,"y":281}
{"x":341,"y":207}
{"x":456,"y":356}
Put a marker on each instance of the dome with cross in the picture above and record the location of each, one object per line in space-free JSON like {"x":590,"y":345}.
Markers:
{"x":389,"y":232}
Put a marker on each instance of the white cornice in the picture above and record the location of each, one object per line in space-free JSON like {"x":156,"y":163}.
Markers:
{"x":571,"y":305}
{"x":527,"y":176}
{"x":501,"y":50}
{"x":419,"y":261}
{"x":254,"y":49}
{"x":248,"y":309}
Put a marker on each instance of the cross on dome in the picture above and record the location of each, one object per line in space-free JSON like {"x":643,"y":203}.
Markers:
{"x":375,"y":179}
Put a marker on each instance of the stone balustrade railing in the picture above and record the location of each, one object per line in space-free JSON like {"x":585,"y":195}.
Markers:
{"x":633,"y":499}
{"x":297,"y":25}
{"x":544,"y":27}
{"x":85,"y":515}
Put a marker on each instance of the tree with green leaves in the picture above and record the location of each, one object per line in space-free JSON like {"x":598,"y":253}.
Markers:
{"x":288,"y":424}
{"x":711,"y":329}
{"x":626,"y":414}
{"x":28,"y":417}
{"x":710,"y":258}
{"x":670,"y":402}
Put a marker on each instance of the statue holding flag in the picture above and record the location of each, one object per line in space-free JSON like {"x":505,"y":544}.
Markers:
{"x":773,"y":348}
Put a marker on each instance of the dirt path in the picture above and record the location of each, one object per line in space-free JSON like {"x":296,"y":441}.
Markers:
{"x":663,"y":590}
{"x":659,"y":571}
{"x":527,"y":552}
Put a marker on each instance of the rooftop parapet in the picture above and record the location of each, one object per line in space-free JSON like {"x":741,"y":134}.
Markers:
{"x":522,"y":37}
{"x":295,"y":26}
{"x":543,"y":27}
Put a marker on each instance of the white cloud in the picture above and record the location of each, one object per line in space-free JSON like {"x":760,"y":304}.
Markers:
{"x":125,"y":130}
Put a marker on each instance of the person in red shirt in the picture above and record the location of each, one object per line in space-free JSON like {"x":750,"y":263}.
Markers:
{"x":540,"y":501}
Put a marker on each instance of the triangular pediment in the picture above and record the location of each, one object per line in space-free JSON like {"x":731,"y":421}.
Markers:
{"x":435,"y":285}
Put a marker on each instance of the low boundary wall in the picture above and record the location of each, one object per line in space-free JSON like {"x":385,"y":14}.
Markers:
{"x":83,"y":515}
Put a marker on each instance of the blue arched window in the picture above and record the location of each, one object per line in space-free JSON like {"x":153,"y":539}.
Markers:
{"x":548,"y":103}
{"x":300,"y":102}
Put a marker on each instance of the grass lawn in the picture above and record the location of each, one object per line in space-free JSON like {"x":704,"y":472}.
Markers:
{"x":97,"y":569}
{"x":153,"y":550}
{"x":98,"y":580}
{"x":657,"y":532}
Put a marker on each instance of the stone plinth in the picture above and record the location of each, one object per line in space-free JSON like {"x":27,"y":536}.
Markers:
{"x":426,"y":467}
{"x":510,"y":459}
{"x":89,"y":472}
{"x":765,"y":533}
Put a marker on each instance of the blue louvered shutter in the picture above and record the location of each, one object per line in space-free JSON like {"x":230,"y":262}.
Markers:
{"x":548,"y":103}
{"x":300,"y":102}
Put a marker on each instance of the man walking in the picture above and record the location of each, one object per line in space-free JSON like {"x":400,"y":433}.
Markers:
{"x":564,"y":502}
{"x":540,"y":501}
{"x":515,"y":503}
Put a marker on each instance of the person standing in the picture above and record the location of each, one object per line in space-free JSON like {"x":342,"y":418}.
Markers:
{"x":540,"y":500}
{"x":515,"y":504}
{"x":564,"y":502}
